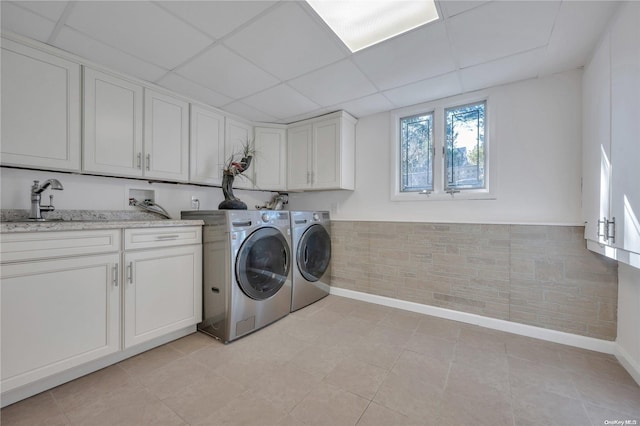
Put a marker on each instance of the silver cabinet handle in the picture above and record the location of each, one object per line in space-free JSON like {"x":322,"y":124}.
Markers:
{"x":148,"y":161}
{"x":140,"y":160}
{"x":600,"y":225}
{"x":610,"y":230}
{"x":168,"y":237}
{"x":130,"y":272}
{"x":115,"y":275}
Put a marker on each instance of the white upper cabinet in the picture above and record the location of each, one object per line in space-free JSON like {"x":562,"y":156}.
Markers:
{"x":299,"y":141}
{"x":596,"y":133}
{"x":112,"y":125}
{"x":625,"y":128}
{"x":611,"y":148}
{"x":270,"y":162}
{"x":322,"y":153}
{"x":40,"y":109}
{"x":237,"y":135}
{"x":207,"y":146}
{"x":166,"y":137}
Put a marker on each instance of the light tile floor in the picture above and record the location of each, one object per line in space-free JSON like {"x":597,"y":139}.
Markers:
{"x":344,"y":362}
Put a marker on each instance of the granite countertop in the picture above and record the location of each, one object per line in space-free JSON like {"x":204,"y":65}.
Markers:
{"x":80,"y":220}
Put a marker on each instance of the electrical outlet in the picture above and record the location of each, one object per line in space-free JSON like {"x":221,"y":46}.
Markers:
{"x":195,"y":203}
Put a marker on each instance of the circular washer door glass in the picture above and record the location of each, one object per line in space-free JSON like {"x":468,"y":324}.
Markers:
{"x":262,"y":264}
{"x":314,"y":253}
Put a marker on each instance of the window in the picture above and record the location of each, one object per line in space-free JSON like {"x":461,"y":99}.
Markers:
{"x":464,"y":154}
{"x":441,"y":151}
{"x":417,"y":152}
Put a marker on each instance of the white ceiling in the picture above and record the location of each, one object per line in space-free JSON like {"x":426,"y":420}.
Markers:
{"x":276,"y":61}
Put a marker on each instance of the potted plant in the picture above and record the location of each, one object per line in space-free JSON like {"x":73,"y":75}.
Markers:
{"x":235,"y":165}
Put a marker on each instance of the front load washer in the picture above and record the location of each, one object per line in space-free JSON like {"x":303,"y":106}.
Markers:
{"x":311,"y":238}
{"x":246,"y":270}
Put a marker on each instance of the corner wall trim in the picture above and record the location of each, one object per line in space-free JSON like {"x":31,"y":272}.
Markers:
{"x":561,"y":337}
{"x":629,"y":364}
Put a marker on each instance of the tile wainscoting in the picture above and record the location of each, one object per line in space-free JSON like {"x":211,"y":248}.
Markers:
{"x":537,"y":275}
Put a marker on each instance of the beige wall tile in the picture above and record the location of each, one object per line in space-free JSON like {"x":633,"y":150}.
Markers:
{"x":538,"y":275}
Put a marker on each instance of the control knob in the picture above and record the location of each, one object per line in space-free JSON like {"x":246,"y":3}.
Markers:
{"x":265,"y":217}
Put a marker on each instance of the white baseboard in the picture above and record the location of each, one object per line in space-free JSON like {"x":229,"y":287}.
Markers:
{"x":629,"y":364}
{"x":570,"y":339}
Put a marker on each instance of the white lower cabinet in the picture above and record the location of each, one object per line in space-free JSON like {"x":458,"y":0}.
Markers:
{"x":75,"y":301}
{"x":58,"y":314}
{"x":162,"y":292}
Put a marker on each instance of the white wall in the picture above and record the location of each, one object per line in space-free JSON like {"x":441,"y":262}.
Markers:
{"x":83,"y":192}
{"x":537,"y":129}
{"x":629,"y":318}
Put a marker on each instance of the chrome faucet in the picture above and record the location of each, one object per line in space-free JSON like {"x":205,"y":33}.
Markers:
{"x":36,"y":194}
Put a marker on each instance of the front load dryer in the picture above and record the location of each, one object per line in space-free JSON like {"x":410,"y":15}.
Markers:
{"x":246,"y":270}
{"x":311,"y":238}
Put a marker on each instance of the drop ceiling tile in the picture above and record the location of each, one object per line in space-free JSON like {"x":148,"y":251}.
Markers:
{"x":336,"y":83}
{"x":368,"y":105}
{"x":178,"y":84}
{"x":25,"y":22}
{"x":81,"y":45}
{"x":411,"y":57}
{"x":242,"y":110}
{"x":452,"y":8}
{"x":506,"y":70}
{"x":499,"y":29}
{"x":287,"y":42}
{"x":51,"y":10}
{"x":426,"y":90}
{"x":281,"y":102}
{"x":575,"y":33}
{"x":216,"y":18}
{"x":139,"y":28}
{"x":227,"y":73}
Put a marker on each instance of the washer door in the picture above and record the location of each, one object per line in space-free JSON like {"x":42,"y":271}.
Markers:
{"x":262,"y":264}
{"x":314,"y":253}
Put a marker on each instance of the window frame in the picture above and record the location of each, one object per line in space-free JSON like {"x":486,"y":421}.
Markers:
{"x":439,"y":193}
{"x":432,"y":149}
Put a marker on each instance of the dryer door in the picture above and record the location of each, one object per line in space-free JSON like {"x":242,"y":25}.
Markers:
{"x":262,"y":264}
{"x":314,"y":253}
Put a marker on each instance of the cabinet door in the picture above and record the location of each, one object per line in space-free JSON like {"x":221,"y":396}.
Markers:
{"x":299,"y":142}
{"x":271,"y":159}
{"x":162,"y":292}
{"x":166,"y":137}
{"x":625,"y":127}
{"x":57,"y":314}
{"x":40,"y":109}
{"x":112,"y":125}
{"x":238,"y":134}
{"x":325,"y":172}
{"x":207,"y":146}
{"x":596,"y":133}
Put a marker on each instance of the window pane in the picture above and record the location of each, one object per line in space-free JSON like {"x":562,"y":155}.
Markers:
{"x":464,"y":156}
{"x":416,"y":146}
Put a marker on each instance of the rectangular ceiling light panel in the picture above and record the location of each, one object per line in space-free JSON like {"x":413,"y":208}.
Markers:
{"x":363,"y":23}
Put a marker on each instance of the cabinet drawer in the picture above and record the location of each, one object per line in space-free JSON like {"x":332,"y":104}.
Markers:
{"x":42,"y":245}
{"x":161,"y":237}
